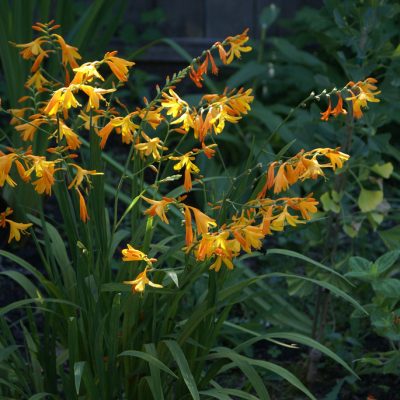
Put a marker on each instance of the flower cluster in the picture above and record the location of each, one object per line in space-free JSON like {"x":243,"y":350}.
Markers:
{"x":60,"y":114}
{"x":361,"y":93}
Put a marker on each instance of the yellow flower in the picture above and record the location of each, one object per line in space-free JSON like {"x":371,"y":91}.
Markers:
{"x":152,"y":146}
{"x":153,"y":117}
{"x":32,"y":49}
{"x":63,"y":98}
{"x":185,"y":161}
{"x":132,"y":254}
{"x":95,"y":95}
{"x":16,"y":228}
{"x":18,"y":114}
{"x":71,"y":137}
{"x":312,"y":169}
{"x":173,"y":103}
{"x":246,"y":234}
{"x":281,"y":182}
{"x":305,"y":205}
{"x":29,"y":129}
{"x":139,"y":284}
{"x":203,"y":221}
{"x":118,"y":66}
{"x":37,"y":80}
{"x":362,"y":92}
{"x":85,"y":73}
{"x":237,"y":47}
{"x":44,"y":171}
{"x":69,"y":53}
{"x":279,"y":222}
{"x":336,"y":157}
{"x":159,"y":207}
{"x":123,"y":126}
{"x":6,"y":161}
{"x":220,"y":246}
{"x":80,"y":175}
{"x":86,"y":121}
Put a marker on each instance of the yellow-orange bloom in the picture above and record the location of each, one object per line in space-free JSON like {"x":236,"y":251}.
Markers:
{"x":132,"y":254}
{"x":304,"y":205}
{"x":80,"y":175}
{"x":37,"y":80}
{"x":17,"y":115}
{"x":152,"y":146}
{"x":118,"y":66}
{"x":83,"y":214}
{"x":95,"y":95}
{"x":6,"y":162}
{"x":185,"y":161}
{"x":159,"y":207}
{"x":139,"y":284}
{"x":237,"y":47}
{"x":362,"y":92}
{"x":70,"y":136}
{"x":62,"y":98}
{"x":29,"y":129}
{"x":85,"y":73}
{"x":123,"y":126}
{"x":285,"y":217}
{"x":16,"y":228}
{"x":69,"y":53}
{"x":32,"y":49}
{"x":247,"y":235}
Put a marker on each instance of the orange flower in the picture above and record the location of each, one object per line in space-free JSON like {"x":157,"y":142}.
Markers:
{"x":185,"y":161}
{"x":32,"y":49}
{"x":197,"y":76}
{"x":38,"y":61}
{"x":203,"y":221}
{"x":208,"y":150}
{"x":70,"y":136}
{"x":188,"y":226}
{"x":85,"y":73}
{"x":69,"y":53}
{"x":304,"y":205}
{"x":95,"y":95}
{"x":18,"y":114}
{"x":63,"y":98}
{"x":281,"y":181}
{"x":80,"y":175}
{"x":118,"y":66}
{"x":6,"y":161}
{"x":362,"y":92}
{"x":37,"y":80}
{"x":132,"y":254}
{"x":327,"y":112}
{"x":159,"y":207}
{"x":236,"y":46}
{"x":83,"y":214}
{"x":29,"y":129}
{"x":139,"y":284}
{"x":152,"y":146}
{"x":123,"y":126}
{"x":339,"y":107}
{"x":16,"y":228}
{"x":247,"y":235}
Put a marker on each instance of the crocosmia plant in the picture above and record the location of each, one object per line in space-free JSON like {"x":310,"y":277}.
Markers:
{"x":134,"y":275}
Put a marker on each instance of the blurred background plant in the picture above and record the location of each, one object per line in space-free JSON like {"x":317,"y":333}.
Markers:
{"x":321,"y":47}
